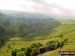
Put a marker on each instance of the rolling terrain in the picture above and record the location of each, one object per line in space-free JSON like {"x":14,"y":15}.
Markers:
{"x":22,"y":32}
{"x":27,"y":25}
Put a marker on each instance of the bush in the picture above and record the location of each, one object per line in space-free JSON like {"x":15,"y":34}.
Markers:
{"x":14,"y":53}
{"x":35,"y":52}
{"x":42,"y":49}
{"x":49,"y":42}
{"x":61,"y":35}
{"x":22,"y":49}
{"x":28,"y":51}
{"x":52,"y":45}
{"x":65,"y":41}
{"x":21,"y":54}
{"x":9,"y":47}
{"x":37,"y":45}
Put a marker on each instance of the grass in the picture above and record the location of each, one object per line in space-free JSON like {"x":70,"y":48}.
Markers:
{"x":71,"y":36}
{"x":70,"y":46}
{"x":67,"y":28}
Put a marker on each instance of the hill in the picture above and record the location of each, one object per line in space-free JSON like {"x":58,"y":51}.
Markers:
{"x":67,"y":28}
{"x":21,"y":32}
{"x":23,"y":24}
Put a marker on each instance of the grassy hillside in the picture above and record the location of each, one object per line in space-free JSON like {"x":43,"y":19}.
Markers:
{"x":21,"y":24}
{"x":26,"y":25}
{"x":70,"y":46}
{"x":67,"y":28}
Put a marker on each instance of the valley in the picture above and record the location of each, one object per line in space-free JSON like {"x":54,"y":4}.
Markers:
{"x":19,"y":32}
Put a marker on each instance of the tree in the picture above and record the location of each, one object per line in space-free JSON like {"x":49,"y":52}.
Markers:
{"x":9,"y":47}
{"x":42,"y":49}
{"x":21,"y":54}
{"x":22,"y":49}
{"x":61,"y":35}
{"x":2,"y":42}
{"x":37,"y":45}
{"x":61,"y":44}
{"x":14,"y":52}
{"x":51,"y":46}
{"x":49,"y":42}
{"x":28,"y":51}
{"x":65,"y":40}
{"x":35,"y":52}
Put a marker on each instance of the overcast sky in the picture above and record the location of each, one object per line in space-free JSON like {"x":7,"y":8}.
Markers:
{"x":58,"y":7}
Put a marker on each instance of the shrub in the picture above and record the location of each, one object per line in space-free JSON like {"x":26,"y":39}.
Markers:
{"x":21,"y":54}
{"x":65,"y":40}
{"x":52,"y":45}
{"x":22,"y":49}
{"x":28,"y":51}
{"x":9,"y":47}
{"x":61,"y":35}
{"x":14,"y":52}
{"x":42,"y":49}
{"x":37,"y":45}
{"x":49,"y":42}
{"x":35,"y":52}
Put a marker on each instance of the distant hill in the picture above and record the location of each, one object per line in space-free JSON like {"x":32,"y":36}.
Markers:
{"x":21,"y":24}
{"x":25,"y":14}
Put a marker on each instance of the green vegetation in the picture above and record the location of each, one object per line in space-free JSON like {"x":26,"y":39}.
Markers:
{"x":19,"y":25}
{"x":32,"y":36}
{"x":21,"y":54}
{"x":36,"y":49}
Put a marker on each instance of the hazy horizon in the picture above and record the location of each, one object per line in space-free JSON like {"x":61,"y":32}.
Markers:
{"x":57,"y":7}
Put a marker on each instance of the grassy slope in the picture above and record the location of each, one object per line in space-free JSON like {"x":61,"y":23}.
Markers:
{"x":60,"y":29}
{"x":70,"y":46}
{"x":71,"y":36}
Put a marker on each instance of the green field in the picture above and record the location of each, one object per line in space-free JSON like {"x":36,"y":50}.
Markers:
{"x":67,"y":28}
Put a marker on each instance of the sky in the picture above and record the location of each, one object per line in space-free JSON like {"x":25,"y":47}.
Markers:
{"x":57,"y":7}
